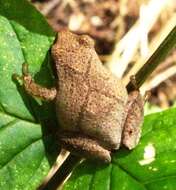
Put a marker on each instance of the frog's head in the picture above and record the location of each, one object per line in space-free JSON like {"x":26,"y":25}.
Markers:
{"x":72,"y":50}
{"x":70,"y":41}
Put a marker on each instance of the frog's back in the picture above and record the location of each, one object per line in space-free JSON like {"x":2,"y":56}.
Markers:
{"x":103,"y":113}
{"x":72,"y":62}
{"x":70,"y":99}
{"x":90,"y":99}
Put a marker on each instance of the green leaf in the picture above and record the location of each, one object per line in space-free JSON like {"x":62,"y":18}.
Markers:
{"x":24,"y":37}
{"x":150,"y":166}
{"x":27,"y":151}
{"x":23,"y":161}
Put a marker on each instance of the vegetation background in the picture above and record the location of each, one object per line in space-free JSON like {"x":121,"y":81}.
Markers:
{"x":127,"y":33}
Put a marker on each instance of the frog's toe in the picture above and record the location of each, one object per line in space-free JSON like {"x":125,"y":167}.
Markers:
{"x":17,"y":78}
{"x":25,"y":69}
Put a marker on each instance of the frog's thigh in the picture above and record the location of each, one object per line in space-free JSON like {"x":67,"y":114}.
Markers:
{"x":34,"y":89}
{"x":134,"y":119}
{"x":101,"y":119}
{"x":85,"y":146}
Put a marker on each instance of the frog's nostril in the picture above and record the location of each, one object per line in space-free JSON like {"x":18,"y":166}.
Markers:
{"x":130,"y":132}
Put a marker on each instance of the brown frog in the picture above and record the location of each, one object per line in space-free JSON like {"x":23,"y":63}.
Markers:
{"x":94,"y":110}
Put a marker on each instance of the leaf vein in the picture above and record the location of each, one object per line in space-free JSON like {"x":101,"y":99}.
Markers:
{"x":2,"y":127}
{"x":17,"y":36}
{"x":6,"y":164}
{"x":159,"y":179}
{"x":18,"y":118}
{"x":131,"y":175}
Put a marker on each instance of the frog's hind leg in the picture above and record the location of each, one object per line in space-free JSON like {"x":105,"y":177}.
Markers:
{"x":85,"y":146}
{"x":34,"y":89}
{"x":134,"y":119}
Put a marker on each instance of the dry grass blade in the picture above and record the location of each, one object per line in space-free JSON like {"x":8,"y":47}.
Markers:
{"x":159,"y":79}
{"x":127,"y":47}
{"x":152,"y":47}
{"x":157,"y":57}
{"x":61,"y":158}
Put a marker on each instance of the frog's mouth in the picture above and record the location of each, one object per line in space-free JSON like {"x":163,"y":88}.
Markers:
{"x":84,"y":146}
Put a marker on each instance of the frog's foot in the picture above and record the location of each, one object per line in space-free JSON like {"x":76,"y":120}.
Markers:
{"x":34,"y":89}
{"x":83,"y":145}
{"x":134,"y":119}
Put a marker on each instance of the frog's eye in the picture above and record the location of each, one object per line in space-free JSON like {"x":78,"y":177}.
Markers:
{"x":86,"y":40}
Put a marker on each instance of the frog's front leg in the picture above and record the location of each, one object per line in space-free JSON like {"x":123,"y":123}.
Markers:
{"x":34,"y":89}
{"x":134,"y":118}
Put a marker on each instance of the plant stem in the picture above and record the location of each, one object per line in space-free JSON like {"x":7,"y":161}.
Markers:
{"x":62,"y":173}
{"x":157,"y":57}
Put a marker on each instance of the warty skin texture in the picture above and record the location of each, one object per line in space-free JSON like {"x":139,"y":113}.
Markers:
{"x":95,"y":113}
